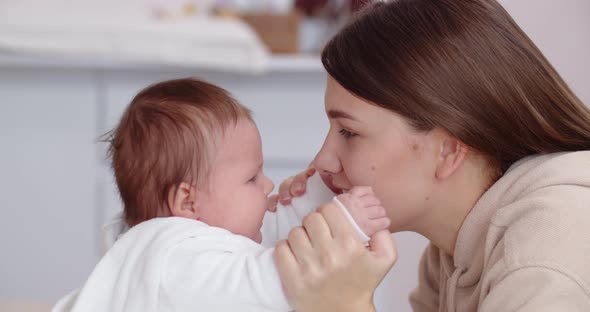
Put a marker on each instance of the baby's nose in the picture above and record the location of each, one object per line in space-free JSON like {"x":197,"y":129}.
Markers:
{"x":269,"y":185}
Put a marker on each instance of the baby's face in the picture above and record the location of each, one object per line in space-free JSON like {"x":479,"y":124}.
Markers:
{"x":237,"y":197}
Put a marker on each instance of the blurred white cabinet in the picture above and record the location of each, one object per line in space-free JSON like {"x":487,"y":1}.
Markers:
{"x":47,"y":181}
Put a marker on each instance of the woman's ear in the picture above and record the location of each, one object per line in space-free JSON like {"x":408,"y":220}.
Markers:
{"x":451,"y":156}
{"x":183,"y":201}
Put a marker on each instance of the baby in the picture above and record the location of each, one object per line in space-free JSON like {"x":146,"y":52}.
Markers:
{"x":188,"y":165}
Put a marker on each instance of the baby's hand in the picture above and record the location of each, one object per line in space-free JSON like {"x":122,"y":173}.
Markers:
{"x":365,"y":209}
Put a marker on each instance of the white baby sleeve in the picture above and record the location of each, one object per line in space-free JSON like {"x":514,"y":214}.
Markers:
{"x":276,"y":226}
{"x":223,"y":280}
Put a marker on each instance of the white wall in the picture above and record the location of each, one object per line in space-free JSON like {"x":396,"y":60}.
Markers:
{"x":561,"y":29}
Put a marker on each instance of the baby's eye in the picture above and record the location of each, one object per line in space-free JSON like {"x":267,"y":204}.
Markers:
{"x":253,"y":179}
{"x":347,"y":134}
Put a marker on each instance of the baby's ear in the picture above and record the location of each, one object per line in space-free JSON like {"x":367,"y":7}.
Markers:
{"x":182,"y":201}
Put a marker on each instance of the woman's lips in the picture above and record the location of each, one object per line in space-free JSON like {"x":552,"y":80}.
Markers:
{"x":330,"y":184}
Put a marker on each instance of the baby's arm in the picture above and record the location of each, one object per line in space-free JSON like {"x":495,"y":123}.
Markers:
{"x":233,"y":276}
{"x":360,"y":205}
{"x":277,"y":225}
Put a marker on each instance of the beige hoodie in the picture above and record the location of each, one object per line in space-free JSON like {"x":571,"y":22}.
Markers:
{"x":525,"y":246}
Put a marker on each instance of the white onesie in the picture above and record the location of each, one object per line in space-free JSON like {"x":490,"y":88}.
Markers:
{"x":179,"y":264}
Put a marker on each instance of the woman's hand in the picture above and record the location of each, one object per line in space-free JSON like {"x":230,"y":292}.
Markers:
{"x":293,"y":186}
{"x":325,"y":267}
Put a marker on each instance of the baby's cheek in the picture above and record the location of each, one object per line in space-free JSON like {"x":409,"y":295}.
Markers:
{"x":255,"y":220}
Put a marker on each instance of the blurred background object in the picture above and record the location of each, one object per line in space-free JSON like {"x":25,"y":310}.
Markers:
{"x":280,"y":32}
{"x":332,"y":8}
{"x":149,"y":32}
{"x":199,"y":33}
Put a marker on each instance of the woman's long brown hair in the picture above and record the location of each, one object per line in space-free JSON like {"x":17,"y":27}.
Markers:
{"x":465,"y":66}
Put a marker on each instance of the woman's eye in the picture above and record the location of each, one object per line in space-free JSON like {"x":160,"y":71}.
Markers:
{"x":347,"y":134}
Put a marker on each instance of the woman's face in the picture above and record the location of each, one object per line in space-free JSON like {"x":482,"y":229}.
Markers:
{"x":369,"y":145}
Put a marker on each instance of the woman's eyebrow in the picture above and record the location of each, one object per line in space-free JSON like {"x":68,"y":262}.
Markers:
{"x":335,"y":114}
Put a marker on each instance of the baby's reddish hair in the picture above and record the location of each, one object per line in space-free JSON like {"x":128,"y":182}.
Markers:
{"x":166,"y":137}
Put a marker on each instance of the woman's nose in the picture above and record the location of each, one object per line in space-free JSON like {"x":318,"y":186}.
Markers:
{"x":327,"y":161}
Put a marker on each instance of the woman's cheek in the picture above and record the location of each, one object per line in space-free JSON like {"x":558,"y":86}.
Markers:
{"x":359,"y":170}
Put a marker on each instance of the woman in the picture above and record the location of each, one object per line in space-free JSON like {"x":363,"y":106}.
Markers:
{"x":469,"y":137}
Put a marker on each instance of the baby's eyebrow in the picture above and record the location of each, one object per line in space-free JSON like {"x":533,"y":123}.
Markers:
{"x":258,"y":167}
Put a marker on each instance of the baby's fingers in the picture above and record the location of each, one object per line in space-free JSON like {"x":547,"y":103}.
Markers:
{"x":370,"y":200}
{"x":375,"y":212}
{"x":298,"y":187}
{"x":375,"y":225}
{"x":361,"y":191}
{"x":284,"y":195}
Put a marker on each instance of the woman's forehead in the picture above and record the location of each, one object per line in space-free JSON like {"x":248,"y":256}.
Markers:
{"x":337,"y":98}
{"x":341,"y":104}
